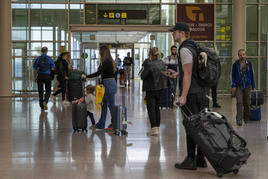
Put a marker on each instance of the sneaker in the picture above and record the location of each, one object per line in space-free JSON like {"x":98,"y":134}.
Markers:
{"x":216,"y":105}
{"x":44,"y":105}
{"x":153,"y":132}
{"x":201,"y":161}
{"x":187,"y":164}
{"x":239,"y":122}
{"x":95,"y":128}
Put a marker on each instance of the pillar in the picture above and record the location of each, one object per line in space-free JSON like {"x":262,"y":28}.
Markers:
{"x":5,"y":49}
{"x":238,"y":27}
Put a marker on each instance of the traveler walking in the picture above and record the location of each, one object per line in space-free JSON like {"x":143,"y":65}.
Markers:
{"x":44,"y":70}
{"x":192,"y":95}
{"x":242,"y":83}
{"x":153,"y":82}
{"x":128,"y":61}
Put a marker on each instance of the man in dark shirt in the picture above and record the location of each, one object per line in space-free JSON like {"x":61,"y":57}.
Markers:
{"x":128,"y":61}
{"x":43,"y":66}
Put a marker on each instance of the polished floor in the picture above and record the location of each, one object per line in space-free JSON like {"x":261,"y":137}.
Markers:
{"x":41,"y":145}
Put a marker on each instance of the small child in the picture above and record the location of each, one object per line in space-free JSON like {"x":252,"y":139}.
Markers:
{"x":90,"y":101}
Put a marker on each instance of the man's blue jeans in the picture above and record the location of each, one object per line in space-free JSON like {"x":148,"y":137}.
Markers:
{"x":110,"y":89}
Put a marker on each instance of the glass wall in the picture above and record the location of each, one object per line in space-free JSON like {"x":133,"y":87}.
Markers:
{"x":37,"y":23}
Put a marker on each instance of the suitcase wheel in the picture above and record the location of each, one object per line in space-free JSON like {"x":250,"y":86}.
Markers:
{"x":220,"y":173}
{"x":116,"y":132}
{"x":235,"y":171}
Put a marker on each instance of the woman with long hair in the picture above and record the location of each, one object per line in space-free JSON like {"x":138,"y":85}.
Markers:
{"x":106,"y":69}
{"x":154,"y":81}
{"x":61,"y":71}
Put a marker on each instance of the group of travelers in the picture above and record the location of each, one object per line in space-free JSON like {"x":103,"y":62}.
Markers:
{"x":157,"y":75}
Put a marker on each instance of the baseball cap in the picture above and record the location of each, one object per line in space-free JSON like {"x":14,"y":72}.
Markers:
{"x":182,"y":26}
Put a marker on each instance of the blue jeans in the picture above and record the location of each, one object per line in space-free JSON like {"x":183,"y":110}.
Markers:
{"x":110,"y":88}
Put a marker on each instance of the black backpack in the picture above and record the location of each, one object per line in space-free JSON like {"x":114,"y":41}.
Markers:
{"x":43,"y":64}
{"x":208,"y":67}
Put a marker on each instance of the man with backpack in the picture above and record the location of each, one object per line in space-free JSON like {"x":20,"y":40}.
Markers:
{"x":242,"y":81}
{"x":44,"y":70}
{"x":192,"y":95}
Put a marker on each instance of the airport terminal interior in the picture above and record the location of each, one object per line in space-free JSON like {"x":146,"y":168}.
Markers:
{"x":39,"y":144}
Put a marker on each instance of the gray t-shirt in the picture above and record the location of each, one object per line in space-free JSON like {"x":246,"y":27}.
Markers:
{"x":186,"y":56}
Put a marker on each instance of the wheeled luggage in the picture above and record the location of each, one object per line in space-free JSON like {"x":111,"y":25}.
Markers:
{"x":223,"y":147}
{"x":256,"y":98}
{"x":255,"y":113}
{"x":75,"y":89}
{"x":119,"y":120}
{"x":79,"y":116}
{"x":166,"y":98}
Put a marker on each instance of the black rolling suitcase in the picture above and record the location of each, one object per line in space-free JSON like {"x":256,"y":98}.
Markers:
{"x":79,"y":116}
{"x":166,"y":98}
{"x":75,"y":89}
{"x":119,"y":120}
{"x":79,"y":113}
{"x":223,"y":147}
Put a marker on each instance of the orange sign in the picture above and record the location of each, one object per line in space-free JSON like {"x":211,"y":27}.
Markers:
{"x":200,"y":17}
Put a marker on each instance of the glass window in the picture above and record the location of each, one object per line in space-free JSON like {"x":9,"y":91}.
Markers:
{"x":56,"y":1}
{"x":263,"y":71}
{"x":263,"y":49}
{"x":224,"y":48}
{"x":252,"y":23}
{"x":168,"y":1}
{"x":154,"y":14}
{"x":225,"y":81}
{"x":195,"y":1}
{"x":19,"y":49}
{"x":264,"y":22}
{"x":168,"y":14}
{"x":134,"y":1}
{"x":19,"y":22}
{"x":19,"y":74}
{"x":252,"y":49}
{"x":224,"y":22}
{"x":224,"y":1}
{"x":76,"y":13}
{"x":76,"y":0}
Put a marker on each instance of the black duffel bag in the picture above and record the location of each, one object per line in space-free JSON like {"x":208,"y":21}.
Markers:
{"x":222,"y":146}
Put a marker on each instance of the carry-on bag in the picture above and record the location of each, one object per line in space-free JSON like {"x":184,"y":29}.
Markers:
{"x":79,"y":113}
{"x":166,"y":98}
{"x":79,"y":116}
{"x":119,"y":120}
{"x":256,"y":98}
{"x":75,"y":89}
{"x":255,"y":113}
{"x":76,"y":74}
{"x":222,"y":146}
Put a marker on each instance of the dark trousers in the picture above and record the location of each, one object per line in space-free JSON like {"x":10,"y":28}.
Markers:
{"x":41,"y":80}
{"x":243,"y":103}
{"x":153,"y":104}
{"x":195,"y":103}
{"x":91,"y":116}
{"x":213,"y":93}
{"x":62,"y":89}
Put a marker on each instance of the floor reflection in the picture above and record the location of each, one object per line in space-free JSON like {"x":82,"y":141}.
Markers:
{"x":37,"y":144}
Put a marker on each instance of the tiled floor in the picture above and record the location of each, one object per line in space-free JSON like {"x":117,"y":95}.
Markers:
{"x":35,"y":144}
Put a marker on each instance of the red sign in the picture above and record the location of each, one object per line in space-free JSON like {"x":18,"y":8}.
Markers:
{"x":200,"y":17}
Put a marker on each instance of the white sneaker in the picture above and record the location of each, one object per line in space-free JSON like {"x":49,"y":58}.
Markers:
{"x":153,"y":132}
